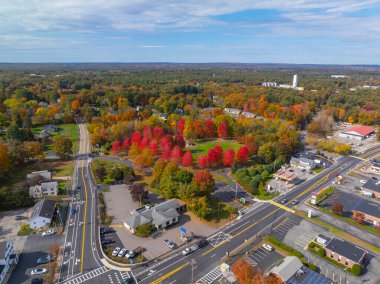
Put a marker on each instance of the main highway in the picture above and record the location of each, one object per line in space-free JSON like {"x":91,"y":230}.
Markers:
{"x":83,"y":260}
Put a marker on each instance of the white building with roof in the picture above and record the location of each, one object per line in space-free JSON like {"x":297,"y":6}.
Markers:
{"x":7,"y":259}
{"x":42,"y":214}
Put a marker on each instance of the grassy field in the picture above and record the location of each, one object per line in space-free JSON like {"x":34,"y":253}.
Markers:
{"x":70,"y":130}
{"x":202,"y":148}
{"x":221,"y":179}
{"x":108,"y":165}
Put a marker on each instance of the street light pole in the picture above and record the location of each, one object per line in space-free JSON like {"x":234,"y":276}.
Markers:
{"x":192,"y":270}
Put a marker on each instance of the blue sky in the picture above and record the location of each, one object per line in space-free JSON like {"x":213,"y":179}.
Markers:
{"x":287,"y":31}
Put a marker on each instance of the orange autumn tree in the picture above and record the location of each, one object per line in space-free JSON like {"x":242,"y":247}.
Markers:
{"x":246,"y":274}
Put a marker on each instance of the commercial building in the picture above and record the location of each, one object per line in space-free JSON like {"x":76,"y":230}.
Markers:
{"x":371,"y":188}
{"x":48,"y":188}
{"x":370,"y":211}
{"x":269,"y":84}
{"x":357,"y":132}
{"x":342,"y":251}
{"x":375,"y":166}
{"x":42,"y":214}
{"x":161,"y":215}
{"x":233,"y":111}
{"x":295,"y":81}
{"x":8,"y":259}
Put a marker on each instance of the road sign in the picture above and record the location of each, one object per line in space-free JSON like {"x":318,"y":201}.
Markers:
{"x":183,"y":230}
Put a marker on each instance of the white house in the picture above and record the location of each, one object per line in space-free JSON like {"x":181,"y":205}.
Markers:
{"x":48,"y":188}
{"x":233,"y":111}
{"x":303,"y":163}
{"x":7,"y":259}
{"x":42,"y":214}
{"x":161,"y":215}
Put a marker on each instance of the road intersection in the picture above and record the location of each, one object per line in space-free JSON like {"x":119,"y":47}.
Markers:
{"x":83,"y":260}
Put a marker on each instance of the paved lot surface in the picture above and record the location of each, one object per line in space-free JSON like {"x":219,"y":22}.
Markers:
{"x":35,"y":247}
{"x":263,"y":260}
{"x":9,"y":226}
{"x":119,"y":204}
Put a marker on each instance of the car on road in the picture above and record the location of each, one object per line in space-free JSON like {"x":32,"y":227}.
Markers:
{"x":283,"y":201}
{"x":107,"y":242}
{"x":374,"y":178}
{"x":170,"y":244}
{"x":116,"y":251}
{"x":187,"y":251}
{"x":73,"y":211}
{"x":362,"y":181}
{"x":48,"y":233}
{"x":37,"y":281}
{"x":130,"y":254}
{"x":122,"y":252}
{"x":295,"y":201}
{"x":128,"y":280}
{"x":201,"y":243}
{"x":43,"y":260}
{"x":19,"y":217}
{"x":38,"y":271}
{"x":267,"y":247}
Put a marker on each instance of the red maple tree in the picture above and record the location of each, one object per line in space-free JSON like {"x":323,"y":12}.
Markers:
{"x":243,"y":154}
{"x":209,"y":128}
{"x":187,"y":160}
{"x":229,"y":157}
{"x":202,"y":161}
{"x":181,"y":125}
{"x":136,"y":138}
{"x":176,"y":154}
{"x":223,"y":130}
{"x":116,"y":147}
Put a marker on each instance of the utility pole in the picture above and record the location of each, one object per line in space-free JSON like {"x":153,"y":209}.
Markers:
{"x":192,"y":270}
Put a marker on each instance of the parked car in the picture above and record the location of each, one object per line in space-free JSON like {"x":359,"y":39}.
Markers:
{"x":187,"y":251}
{"x":43,"y":260}
{"x":362,"y":181}
{"x":295,"y":202}
{"x":116,"y":251}
{"x":267,"y":247}
{"x":73,"y":211}
{"x":374,"y":178}
{"x":130,"y":254}
{"x":202,"y":243}
{"x":122,"y":252}
{"x":37,"y":281}
{"x":147,"y":206}
{"x":170,"y":244}
{"x":38,"y":271}
{"x":19,"y":217}
{"x":104,"y":231}
{"x":48,"y":233}
{"x":128,"y":280}
{"x":283,"y":201}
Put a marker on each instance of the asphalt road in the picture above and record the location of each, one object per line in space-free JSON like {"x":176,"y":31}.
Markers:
{"x":258,"y":222}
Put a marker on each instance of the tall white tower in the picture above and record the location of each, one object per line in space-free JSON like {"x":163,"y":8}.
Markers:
{"x":295,"y":81}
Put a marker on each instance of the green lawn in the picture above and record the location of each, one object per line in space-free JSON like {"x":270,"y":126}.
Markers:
{"x":108,"y":165}
{"x":222,"y":179}
{"x":202,"y":148}
{"x":70,"y":130}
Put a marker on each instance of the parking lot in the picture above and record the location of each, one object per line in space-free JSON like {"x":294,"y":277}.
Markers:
{"x":119,"y":205}
{"x":263,"y":259}
{"x":349,"y":201}
{"x":280,"y":230}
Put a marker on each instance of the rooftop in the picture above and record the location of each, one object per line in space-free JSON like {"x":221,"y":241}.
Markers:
{"x":361,"y":130}
{"x":287,"y":268}
{"x":346,"y":249}
{"x":44,"y":208}
{"x":367,"y":207}
{"x":308,"y":276}
{"x":372,"y":185}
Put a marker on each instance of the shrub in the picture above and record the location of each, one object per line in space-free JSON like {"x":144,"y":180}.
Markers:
{"x":116,"y":173}
{"x":312,"y":266}
{"x":145,"y":230}
{"x":311,"y":245}
{"x":321,"y":252}
{"x":285,"y":247}
{"x":356,"y":269}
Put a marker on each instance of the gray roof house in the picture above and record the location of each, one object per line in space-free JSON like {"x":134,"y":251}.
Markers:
{"x":286,"y":269}
{"x":161,"y":215}
{"x":42,"y":214}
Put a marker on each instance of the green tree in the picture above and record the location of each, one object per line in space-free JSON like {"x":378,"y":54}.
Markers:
{"x":116,"y":173}
{"x":200,"y":207}
{"x":14,"y":132}
{"x":63,"y":147}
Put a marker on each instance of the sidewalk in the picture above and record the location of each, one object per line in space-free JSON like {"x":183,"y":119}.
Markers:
{"x":344,"y":226}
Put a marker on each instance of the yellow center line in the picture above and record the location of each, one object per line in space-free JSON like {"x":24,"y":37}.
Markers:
{"x":170,"y":273}
{"x":85,"y":210}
